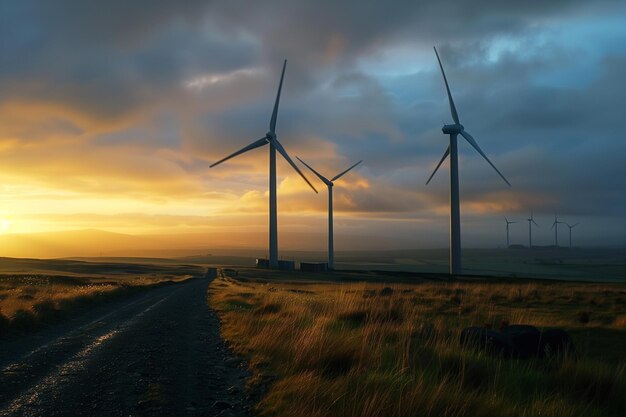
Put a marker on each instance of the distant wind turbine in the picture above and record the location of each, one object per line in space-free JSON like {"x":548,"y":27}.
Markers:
{"x":555,"y":226}
{"x":330,"y":184}
{"x":507,"y":230}
{"x":570,"y":232}
{"x":455,"y":217}
{"x":271,"y":139}
{"x":531,"y":220}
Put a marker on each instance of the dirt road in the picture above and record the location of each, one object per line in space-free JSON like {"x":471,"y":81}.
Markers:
{"x":158,"y":353}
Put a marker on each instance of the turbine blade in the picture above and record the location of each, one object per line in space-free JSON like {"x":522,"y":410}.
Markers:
{"x":535,"y":222}
{"x":285,"y":155}
{"x":253,"y":145}
{"x":575,"y":225}
{"x":505,"y":219}
{"x":472,"y":142}
{"x":455,"y":116}
{"x":275,"y":112}
{"x":336,"y":177}
{"x":445,"y":155}
{"x":320,"y":176}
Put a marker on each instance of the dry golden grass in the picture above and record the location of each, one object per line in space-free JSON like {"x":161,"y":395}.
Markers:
{"x":392,"y":350}
{"x":29,"y":300}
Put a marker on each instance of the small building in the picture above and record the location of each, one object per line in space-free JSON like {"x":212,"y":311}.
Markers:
{"x":313,"y":266}
{"x":262,"y":263}
{"x":282,"y":265}
{"x":287,"y":265}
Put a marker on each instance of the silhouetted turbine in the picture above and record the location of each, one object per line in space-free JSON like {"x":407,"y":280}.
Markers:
{"x":507,"y":230}
{"x":455,"y":217}
{"x":530,"y":229}
{"x":271,"y":139}
{"x":329,"y":184}
{"x":570,"y":232}
{"x":555,"y":226}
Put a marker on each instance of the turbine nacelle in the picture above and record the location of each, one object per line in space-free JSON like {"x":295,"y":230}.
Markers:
{"x":454,"y":129}
{"x":269,"y":136}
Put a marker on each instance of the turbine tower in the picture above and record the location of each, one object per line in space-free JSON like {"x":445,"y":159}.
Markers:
{"x":455,"y":216}
{"x":329,"y":184}
{"x":555,"y":226}
{"x":530,"y":230}
{"x":570,"y":233}
{"x":271,"y":139}
{"x":507,"y":230}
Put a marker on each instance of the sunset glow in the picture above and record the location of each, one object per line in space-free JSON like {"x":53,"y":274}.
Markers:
{"x":116,"y":132}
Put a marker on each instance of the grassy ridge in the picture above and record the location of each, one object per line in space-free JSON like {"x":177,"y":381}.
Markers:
{"x":29,"y":301}
{"x":374,"y":350}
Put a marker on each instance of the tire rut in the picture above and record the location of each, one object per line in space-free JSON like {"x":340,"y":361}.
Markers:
{"x":159,"y":355}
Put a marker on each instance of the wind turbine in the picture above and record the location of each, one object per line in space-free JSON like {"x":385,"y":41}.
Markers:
{"x":271,"y":139}
{"x":507,"y":230}
{"x":455,"y":217}
{"x":530,"y":230}
{"x":329,"y":184}
{"x":555,"y":226}
{"x":570,"y":233}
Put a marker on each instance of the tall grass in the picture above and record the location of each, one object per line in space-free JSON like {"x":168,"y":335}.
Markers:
{"x":29,"y":301}
{"x":372,"y":350}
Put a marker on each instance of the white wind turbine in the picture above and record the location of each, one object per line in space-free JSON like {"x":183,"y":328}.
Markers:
{"x":455,"y":217}
{"x":329,"y":184}
{"x":507,"y":230}
{"x":271,"y":139}
{"x":531,"y":220}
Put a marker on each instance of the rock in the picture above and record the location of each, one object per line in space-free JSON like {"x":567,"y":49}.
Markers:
{"x":519,"y":341}
{"x":490,"y":341}
{"x":524,"y":339}
{"x":556,"y":342}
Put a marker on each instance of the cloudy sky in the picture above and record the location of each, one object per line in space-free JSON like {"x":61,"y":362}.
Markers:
{"x":111,"y":113}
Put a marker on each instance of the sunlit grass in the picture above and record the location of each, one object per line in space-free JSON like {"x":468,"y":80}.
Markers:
{"x":393,"y":350}
{"x":30,"y":300}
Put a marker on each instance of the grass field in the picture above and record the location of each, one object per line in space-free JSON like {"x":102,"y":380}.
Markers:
{"x":380,"y":349}
{"x":53,"y":289}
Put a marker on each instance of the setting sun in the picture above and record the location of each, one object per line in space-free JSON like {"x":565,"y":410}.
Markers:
{"x":5,"y":223}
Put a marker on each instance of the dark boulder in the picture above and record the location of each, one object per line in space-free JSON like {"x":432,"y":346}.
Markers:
{"x":524,"y":339}
{"x":556,"y":342}
{"x":519,"y":341}
{"x":490,"y":341}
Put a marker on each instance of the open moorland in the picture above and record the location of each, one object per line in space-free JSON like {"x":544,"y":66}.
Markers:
{"x":116,"y":338}
{"x":353,"y":343}
{"x":392,"y":349}
{"x":576,"y":264}
{"x":36,"y":292}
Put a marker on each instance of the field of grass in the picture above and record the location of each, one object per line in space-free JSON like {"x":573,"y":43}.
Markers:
{"x":379,"y":349}
{"x":53,"y":290}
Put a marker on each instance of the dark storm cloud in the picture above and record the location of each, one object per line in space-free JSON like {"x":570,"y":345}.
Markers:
{"x":546,"y":108}
{"x":109,"y":58}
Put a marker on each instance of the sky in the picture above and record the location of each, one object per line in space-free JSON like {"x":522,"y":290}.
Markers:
{"x":111,"y":113}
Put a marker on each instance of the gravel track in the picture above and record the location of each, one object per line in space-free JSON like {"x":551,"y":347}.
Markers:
{"x":157,"y":353}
